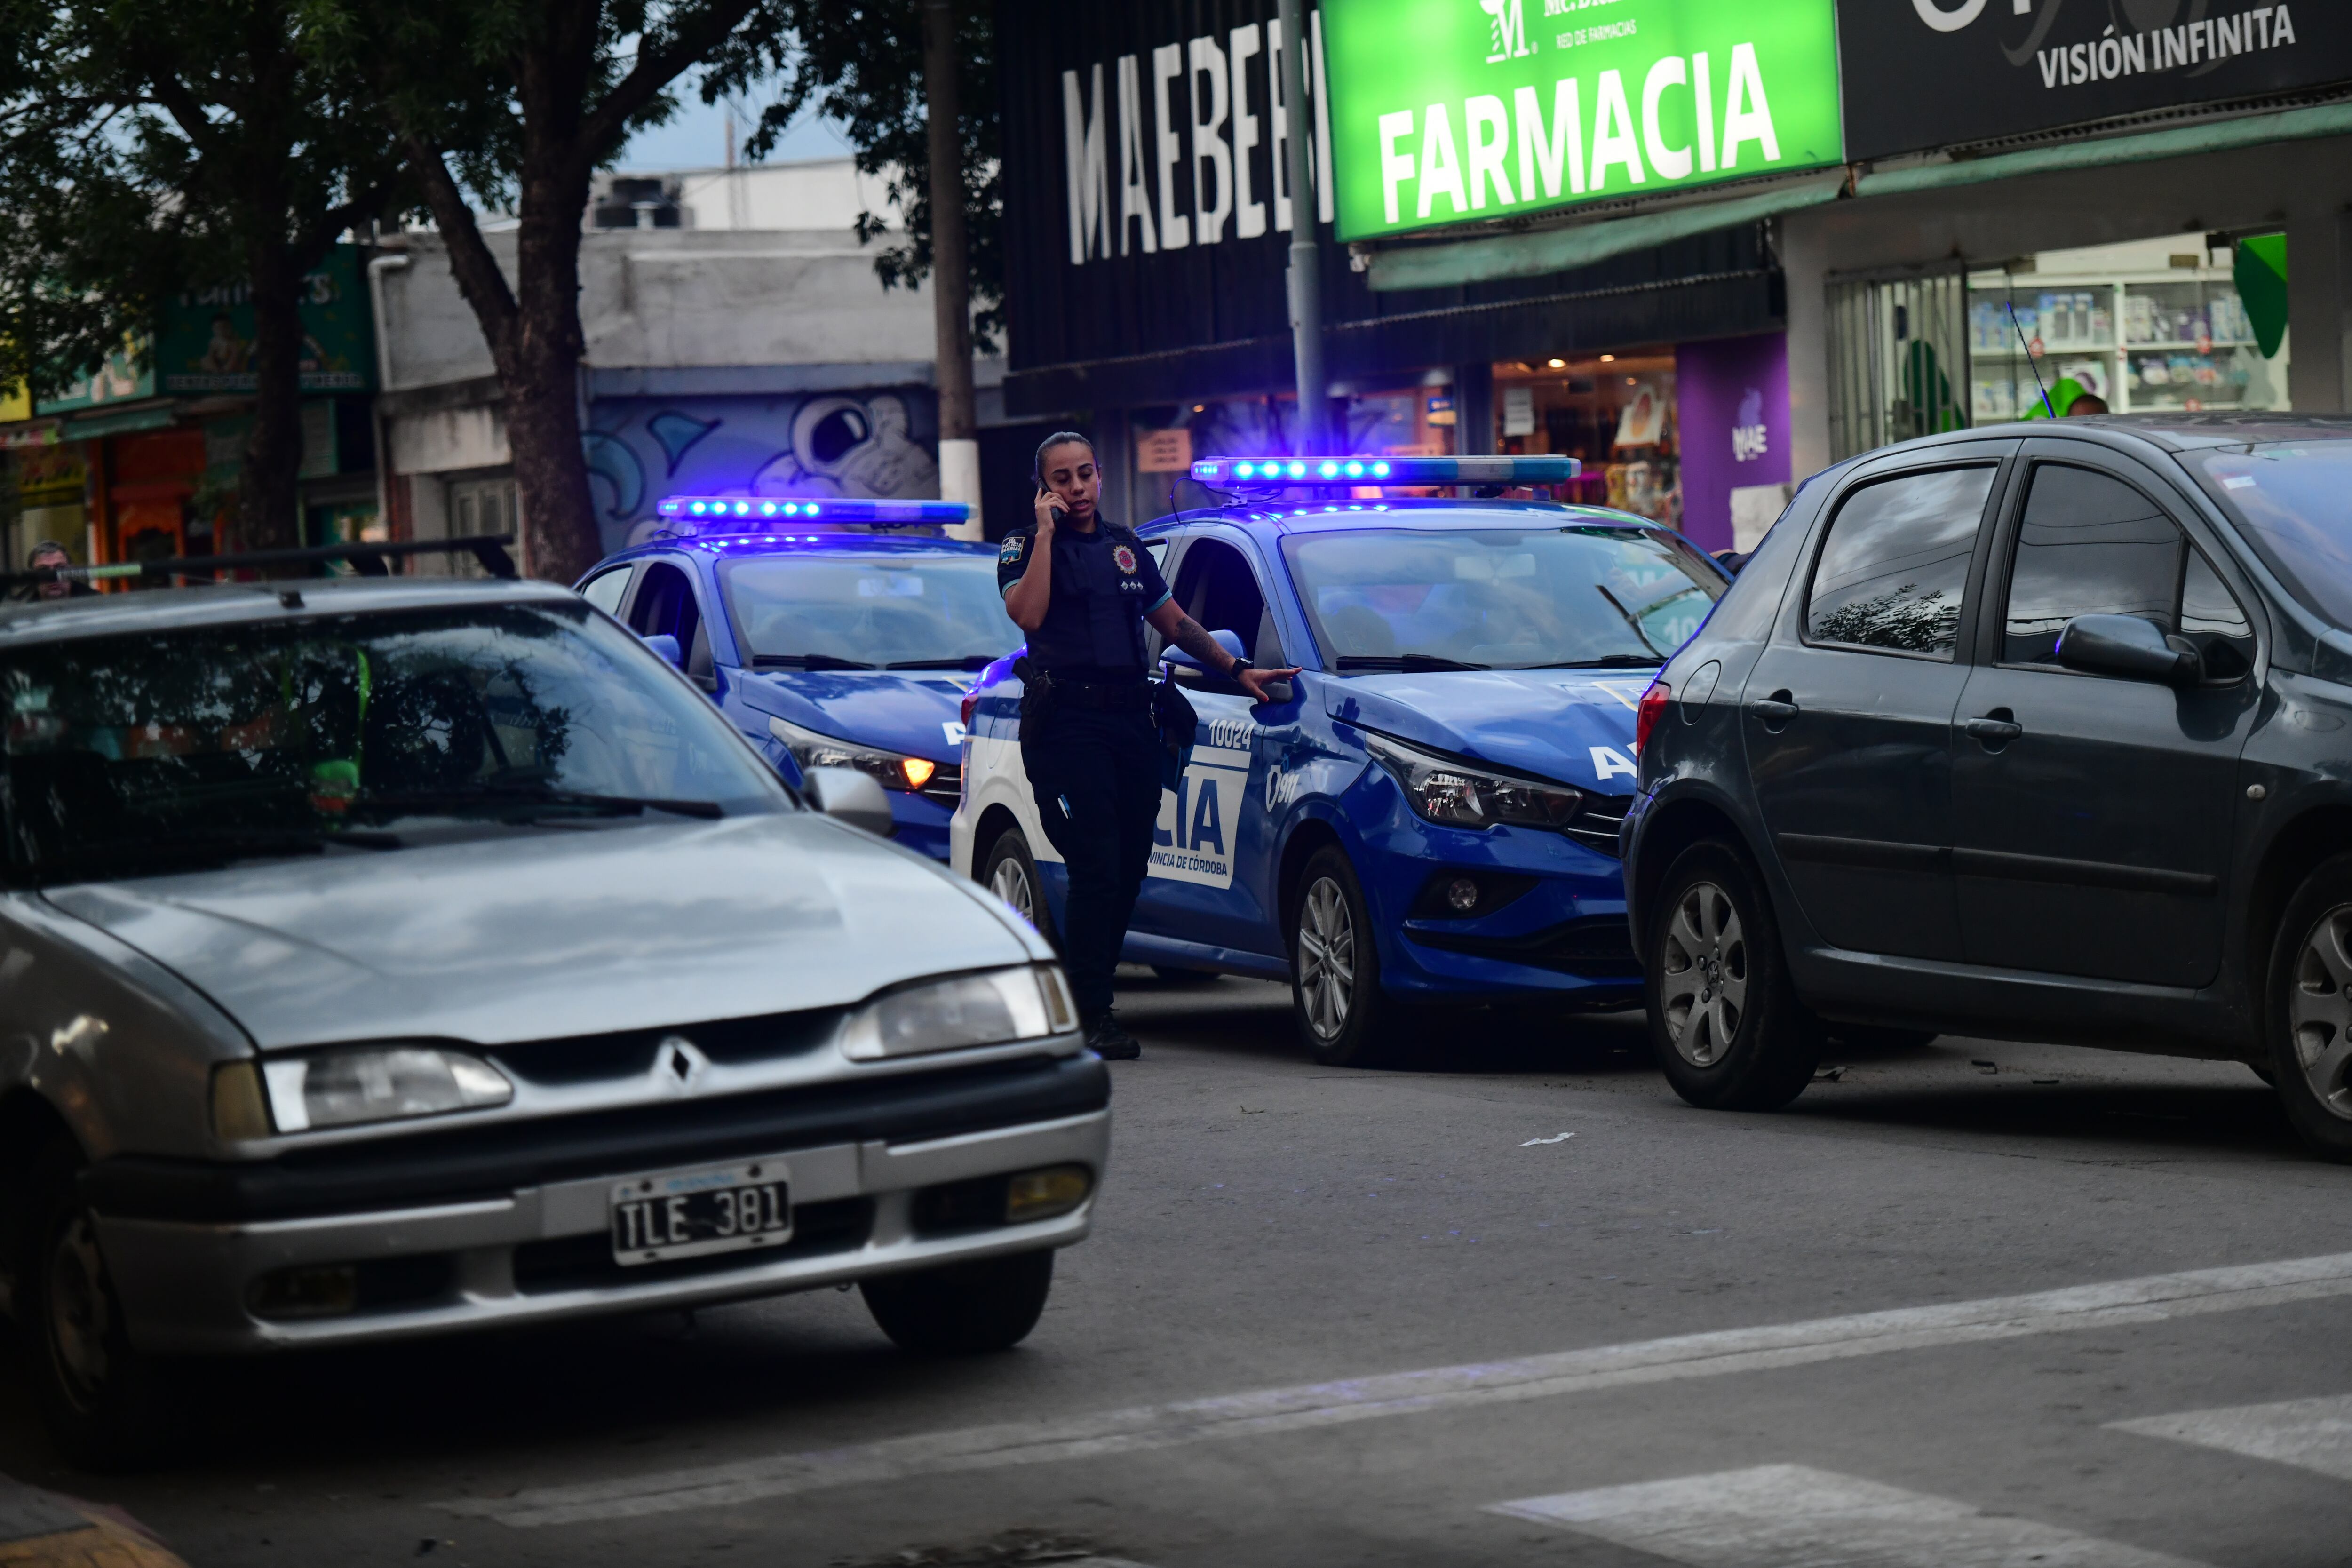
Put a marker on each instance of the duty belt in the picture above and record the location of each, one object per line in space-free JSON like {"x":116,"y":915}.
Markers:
{"x":1114,"y":697}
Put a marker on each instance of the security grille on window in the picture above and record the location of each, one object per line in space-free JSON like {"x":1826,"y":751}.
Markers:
{"x":1898,"y":348}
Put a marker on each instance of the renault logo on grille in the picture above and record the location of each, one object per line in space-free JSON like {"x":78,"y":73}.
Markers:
{"x":678,"y":1065}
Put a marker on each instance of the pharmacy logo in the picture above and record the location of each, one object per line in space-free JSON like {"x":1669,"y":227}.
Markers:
{"x":1506,"y":31}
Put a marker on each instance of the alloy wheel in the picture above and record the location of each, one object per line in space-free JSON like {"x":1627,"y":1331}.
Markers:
{"x":2319,"y":1010}
{"x":1704,"y":989}
{"x":1010,"y":881}
{"x":1326,"y":958}
{"x":79,"y":1310}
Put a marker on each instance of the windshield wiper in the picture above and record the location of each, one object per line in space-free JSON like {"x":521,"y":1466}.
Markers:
{"x":504,"y":798}
{"x":1410,"y":663}
{"x":202,"y":846}
{"x":968,"y":661}
{"x":1607,"y":661}
{"x":805,"y":661}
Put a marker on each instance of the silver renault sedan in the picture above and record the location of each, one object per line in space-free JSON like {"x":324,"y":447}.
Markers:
{"x":394,"y":959}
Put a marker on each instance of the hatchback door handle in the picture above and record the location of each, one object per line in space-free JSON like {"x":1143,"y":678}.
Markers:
{"x":1995,"y":731}
{"x":1773,"y":709}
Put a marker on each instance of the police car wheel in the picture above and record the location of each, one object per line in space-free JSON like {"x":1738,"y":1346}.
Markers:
{"x":1335,"y":968}
{"x":1726,"y":1023}
{"x":1011,"y":873}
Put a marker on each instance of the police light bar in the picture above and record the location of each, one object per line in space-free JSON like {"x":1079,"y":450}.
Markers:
{"x":1227,"y":472}
{"x":737,"y":510}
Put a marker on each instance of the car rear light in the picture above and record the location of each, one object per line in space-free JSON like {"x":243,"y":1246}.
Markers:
{"x":970,"y":701}
{"x":1646,"y":716}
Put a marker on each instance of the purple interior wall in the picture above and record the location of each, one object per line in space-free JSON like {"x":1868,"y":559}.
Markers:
{"x":1732,"y":405}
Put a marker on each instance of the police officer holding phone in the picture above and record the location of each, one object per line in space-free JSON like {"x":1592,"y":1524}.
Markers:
{"x":1083,"y":589}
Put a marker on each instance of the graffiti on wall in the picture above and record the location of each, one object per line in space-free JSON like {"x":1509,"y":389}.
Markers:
{"x":821,"y":443}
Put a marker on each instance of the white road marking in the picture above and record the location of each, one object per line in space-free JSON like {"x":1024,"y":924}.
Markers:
{"x":2153,"y":1299}
{"x":2309,"y":1434}
{"x":1793,"y":1516}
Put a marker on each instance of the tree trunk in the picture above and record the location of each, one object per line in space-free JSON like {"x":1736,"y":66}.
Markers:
{"x":951,"y":261}
{"x":560,"y":538}
{"x":268,"y":501}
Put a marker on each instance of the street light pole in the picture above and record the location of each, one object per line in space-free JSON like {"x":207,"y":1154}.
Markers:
{"x":1305,"y":279}
{"x":951,"y":264}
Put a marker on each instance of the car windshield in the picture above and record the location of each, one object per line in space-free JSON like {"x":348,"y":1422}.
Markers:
{"x":868,"y":612}
{"x":167,"y":749}
{"x":1501,"y":598}
{"x":2292,"y":500}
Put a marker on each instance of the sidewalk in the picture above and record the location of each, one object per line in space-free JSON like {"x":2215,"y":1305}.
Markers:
{"x":44,"y":1530}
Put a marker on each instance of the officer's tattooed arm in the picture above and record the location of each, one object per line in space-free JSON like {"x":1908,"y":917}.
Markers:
{"x":1194,"y":638}
{"x":1188,"y":635}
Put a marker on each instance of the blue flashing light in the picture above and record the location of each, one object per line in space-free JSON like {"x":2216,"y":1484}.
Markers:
{"x":879,"y":513}
{"x":1510,"y":472}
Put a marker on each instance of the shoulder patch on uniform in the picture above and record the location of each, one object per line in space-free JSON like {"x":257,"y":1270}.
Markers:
{"x":1124,"y":558}
{"x":1011,"y":550}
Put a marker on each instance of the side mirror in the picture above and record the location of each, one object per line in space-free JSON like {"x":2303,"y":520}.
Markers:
{"x":1230,"y":641}
{"x":2129,"y":646}
{"x":851,"y":797}
{"x":667,"y":645}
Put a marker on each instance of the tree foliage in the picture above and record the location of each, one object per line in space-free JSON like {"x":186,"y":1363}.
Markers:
{"x":515,"y":104}
{"x":860,"y":63}
{"x":151,"y":147}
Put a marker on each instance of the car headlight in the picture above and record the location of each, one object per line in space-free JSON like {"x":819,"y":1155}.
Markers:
{"x":992,"y":1009}
{"x":369,"y":1083}
{"x":1457,"y":795}
{"x":889,"y":769}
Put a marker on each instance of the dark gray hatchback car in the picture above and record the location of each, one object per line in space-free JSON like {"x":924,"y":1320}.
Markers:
{"x":2039,"y":731}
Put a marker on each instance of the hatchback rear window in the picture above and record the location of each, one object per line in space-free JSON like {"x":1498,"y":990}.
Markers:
{"x":2293,"y":502}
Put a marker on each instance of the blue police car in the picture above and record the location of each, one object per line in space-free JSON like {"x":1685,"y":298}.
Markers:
{"x":834,"y":633}
{"x":1432,"y":812}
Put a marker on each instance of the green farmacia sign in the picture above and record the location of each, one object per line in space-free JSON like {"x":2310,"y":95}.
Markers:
{"x":1449,"y":110}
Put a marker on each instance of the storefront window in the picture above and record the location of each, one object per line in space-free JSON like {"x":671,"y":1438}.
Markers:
{"x":2151,"y":326}
{"x":1613,"y":412}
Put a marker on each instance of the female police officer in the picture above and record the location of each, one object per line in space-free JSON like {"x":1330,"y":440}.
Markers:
{"x":1082,"y":589}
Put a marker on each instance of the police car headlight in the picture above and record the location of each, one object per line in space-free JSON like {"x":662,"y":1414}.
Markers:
{"x":992,"y":1009}
{"x":374,"y":1083}
{"x":1456,"y":795}
{"x":889,"y":769}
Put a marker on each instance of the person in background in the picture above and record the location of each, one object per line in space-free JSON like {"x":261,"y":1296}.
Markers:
{"x":49,"y":552}
{"x":2083,"y":406}
{"x":1084,"y":588}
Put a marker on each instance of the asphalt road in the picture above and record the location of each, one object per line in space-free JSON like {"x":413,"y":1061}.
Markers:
{"x":1525,"y":1308}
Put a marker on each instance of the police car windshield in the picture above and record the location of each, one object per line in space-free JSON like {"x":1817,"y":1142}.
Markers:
{"x":867,"y":612}
{"x":2293,"y":503}
{"x":176,"y":748}
{"x":1519,"y":598}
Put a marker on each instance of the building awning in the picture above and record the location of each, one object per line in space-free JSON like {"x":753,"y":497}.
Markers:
{"x":1559,"y":249}
{"x":118,"y":422}
{"x":29,"y":433}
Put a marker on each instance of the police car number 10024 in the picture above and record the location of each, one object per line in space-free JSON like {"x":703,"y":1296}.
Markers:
{"x":688,"y":1214}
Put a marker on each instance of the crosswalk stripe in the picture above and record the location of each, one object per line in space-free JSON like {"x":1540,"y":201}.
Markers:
{"x":1793,"y":1516}
{"x":2309,"y":1434}
{"x":2115,"y":1303}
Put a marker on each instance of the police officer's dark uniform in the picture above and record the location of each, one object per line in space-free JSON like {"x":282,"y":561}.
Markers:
{"x":1090,"y":747}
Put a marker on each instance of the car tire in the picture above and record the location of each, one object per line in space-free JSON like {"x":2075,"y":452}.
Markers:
{"x":1010,"y":871}
{"x":1335,"y":968}
{"x":2309,"y":1020}
{"x":1169,"y":975}
{"x":962,"y":1308}
{"x":1725,"y":1022}
{"x":108,"y":1406}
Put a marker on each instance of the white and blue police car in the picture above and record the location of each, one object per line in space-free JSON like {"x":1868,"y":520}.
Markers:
{"x":1430,"y":814}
